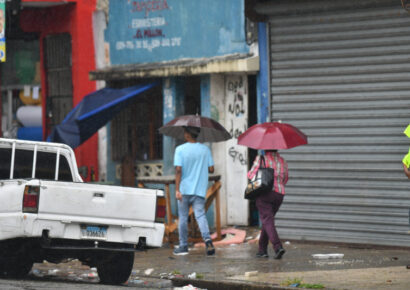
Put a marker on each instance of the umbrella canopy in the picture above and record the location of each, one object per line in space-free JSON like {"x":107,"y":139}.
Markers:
{"x":272,"y":136}
{"x":407,"y":131}
{"x":211,"y":130}
{"x":92,"y":113}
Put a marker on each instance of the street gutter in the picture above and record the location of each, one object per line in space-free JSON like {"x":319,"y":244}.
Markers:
{"x":226,"y":285}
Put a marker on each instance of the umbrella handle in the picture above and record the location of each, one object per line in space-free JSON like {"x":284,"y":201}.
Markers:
{"x":262,"y":160}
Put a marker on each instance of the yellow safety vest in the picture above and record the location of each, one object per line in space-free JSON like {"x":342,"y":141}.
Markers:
{"x":406,"y":159}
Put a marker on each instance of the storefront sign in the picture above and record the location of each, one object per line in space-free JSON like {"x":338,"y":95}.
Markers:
{"x":141,"y":31}
{"x":2,"y":30}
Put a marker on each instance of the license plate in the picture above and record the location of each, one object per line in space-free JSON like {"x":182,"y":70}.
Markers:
{"x":94,"y":232}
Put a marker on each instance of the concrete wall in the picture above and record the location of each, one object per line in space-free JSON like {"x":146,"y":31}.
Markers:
{"x":236,"y":122}
{"x":229,"y":106}
{"x":99,"y":25}
{"x":217,"y":100}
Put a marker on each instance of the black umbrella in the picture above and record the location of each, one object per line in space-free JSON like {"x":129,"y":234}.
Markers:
{"x":211,"y":130}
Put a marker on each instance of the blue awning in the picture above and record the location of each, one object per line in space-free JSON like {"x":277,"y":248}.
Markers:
{"x":92,"y":113}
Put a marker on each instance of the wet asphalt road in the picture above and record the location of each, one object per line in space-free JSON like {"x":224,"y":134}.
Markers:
{"x":73,"y":276}
{"x":228,"y":264}
{"x":30,"y":284}
{"x":49,"y":283}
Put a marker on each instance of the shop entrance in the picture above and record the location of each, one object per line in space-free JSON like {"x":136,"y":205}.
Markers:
{"x":252,"y":120}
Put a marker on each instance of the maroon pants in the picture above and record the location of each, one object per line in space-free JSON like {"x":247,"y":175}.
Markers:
{"x":268,"y":204}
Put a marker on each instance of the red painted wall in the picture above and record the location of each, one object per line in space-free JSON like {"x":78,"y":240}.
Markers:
{"x":74,"y":18}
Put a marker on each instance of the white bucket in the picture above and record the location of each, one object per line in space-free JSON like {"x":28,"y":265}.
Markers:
{"x":29,"y":116}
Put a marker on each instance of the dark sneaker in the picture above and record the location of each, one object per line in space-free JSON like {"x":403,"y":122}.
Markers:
{"x":181,"y":251}
{"x":279,"y":253}
{"x":210,"y":249}
{"x":262,"y":255}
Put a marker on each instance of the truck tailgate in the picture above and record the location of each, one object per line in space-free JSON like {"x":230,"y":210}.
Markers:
{"x":84,"y":202}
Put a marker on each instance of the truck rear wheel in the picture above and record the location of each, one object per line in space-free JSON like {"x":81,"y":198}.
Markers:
{"x":116,"y":269}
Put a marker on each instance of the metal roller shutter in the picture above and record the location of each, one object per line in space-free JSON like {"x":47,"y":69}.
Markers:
{"x":340,"y":71}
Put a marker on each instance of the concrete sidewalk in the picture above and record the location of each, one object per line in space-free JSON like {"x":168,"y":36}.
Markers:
{"x":236,"y":267}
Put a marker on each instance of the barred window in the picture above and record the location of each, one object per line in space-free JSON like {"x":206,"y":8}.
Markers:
{"x":134,"y":131}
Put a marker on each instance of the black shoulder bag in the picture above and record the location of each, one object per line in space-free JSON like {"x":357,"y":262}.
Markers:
{"x":261,"y":183}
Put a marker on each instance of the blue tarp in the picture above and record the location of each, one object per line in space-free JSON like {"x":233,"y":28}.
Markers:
{"x":92,"y":113}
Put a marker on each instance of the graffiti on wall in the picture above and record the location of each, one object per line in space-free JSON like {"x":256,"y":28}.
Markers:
{"x":237,"y":116}
{"x":237,"y":155}
{"x":236,"y":121}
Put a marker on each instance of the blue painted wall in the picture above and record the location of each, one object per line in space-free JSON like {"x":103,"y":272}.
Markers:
{"x":206,"y":112}
{"x":173,"y":94}
{"x":262,"y":78}
{"x":162,"y":30}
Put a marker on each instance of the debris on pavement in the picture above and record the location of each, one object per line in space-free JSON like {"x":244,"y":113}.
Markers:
{"x":135,"y":272}
{"x":192,"y":275}
{"x":148,"y":271}
{"x":135,"y":281}
{"x":187,"y":287}
{"x":328,"y":256}
{"x":231,"y":236}
{"x":287,"y":243}
{"x":298,"y":283}
{"x":52,"y":272}
{"x":92,"y":275}
{"x":251,"y":274}
{"x":255,"y":240}
{"x":37,"y":273}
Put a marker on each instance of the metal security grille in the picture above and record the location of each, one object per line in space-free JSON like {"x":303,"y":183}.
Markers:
{"x":123,"y":133}
{"x":57,"y":50}
{"x":134,"y":131}
{"x":340,"y":71}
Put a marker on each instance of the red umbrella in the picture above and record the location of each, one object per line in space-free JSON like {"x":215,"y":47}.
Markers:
{"x":272,"y":136}
{"x":211,"y":130}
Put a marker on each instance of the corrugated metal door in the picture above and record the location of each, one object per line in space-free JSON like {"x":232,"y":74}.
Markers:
{"x":340,"y":71}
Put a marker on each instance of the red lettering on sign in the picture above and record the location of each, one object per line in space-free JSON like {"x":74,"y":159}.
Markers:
{"x":149,"y":6}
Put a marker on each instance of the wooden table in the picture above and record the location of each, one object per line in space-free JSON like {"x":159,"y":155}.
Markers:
{"x":171,"y":223}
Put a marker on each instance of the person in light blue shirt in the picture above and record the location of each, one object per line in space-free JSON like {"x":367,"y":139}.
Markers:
{"x":193,"y":161}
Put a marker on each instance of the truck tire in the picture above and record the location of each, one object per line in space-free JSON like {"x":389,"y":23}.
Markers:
{"x":116,"y":269}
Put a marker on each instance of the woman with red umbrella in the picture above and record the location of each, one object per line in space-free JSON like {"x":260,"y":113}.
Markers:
{"x":271,"y":137}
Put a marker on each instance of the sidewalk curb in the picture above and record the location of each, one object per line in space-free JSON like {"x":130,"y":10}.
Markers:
{"x":226,"y":285}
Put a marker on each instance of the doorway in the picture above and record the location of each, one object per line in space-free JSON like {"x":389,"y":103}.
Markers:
{"x":252,"y":153}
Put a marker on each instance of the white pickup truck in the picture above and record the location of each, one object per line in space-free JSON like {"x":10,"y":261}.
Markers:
{"x":48,"y":213}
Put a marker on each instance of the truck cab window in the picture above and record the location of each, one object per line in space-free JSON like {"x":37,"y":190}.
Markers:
{"x":5,"y":163}
{"x":46,"y":165}
{"x":64,"y":171}
{"x":23,"y":163}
